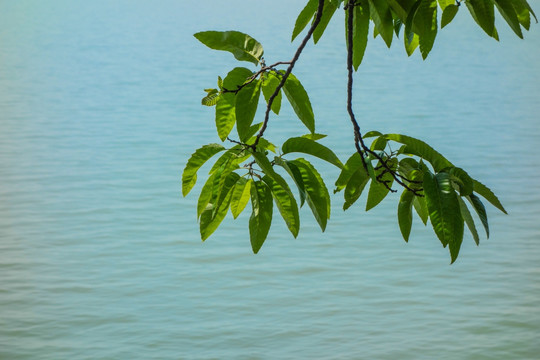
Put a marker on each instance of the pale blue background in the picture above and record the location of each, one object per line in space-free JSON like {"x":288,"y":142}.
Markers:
{"x":100,"y":256}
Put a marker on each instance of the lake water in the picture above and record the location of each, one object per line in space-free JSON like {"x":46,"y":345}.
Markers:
{"x":100,"y":256}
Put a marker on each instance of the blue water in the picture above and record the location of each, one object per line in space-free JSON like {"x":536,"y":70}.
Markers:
{"x":100,"y":256}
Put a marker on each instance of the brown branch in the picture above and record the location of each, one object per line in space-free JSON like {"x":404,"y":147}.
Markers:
{"x":361,"y":147}
{"x":288,"y":71}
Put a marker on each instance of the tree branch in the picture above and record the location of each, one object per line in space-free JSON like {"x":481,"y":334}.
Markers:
{"x":359,"y":144}
{"x":288,"y":71}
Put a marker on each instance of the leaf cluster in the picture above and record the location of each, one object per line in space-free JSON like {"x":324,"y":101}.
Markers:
{"x":254,"y":170}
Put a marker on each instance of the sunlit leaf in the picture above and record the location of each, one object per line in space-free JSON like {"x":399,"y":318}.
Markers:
{"x":353,"y":163}
{"x":269,"y":85}
{"x":285,"y":203}
{"x":311,"y":147}
{"x":197,"y":159}
{"x":303,"y":18}
{"x":377,"y":190}
{"x":240,"y":196}
{"x":298,"y":97}
{"x":426,"y":23}
{"x":328,"y":11}
{"x":420,"y":206}
{"x":382,"y":18}
{"x":242,"y":46}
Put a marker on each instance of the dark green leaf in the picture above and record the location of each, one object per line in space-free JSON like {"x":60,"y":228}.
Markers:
{"x":298,"y":97}
{"x":382,"y":18}
{"x":234,"y":155}
{"x":480,"y":210}
{"x":328,"y":11}
{"x":360,"y":32}
{"x":448,"y":14}
{"x":303,"y":18}
{"x":247,"y":100}
{"x":405,"y":213}
{"x":426,"y":24}
{"x":197,"y":159}
{"x":295,"y":174}
{"x":377,"y":190}
{"x":261,"y":216}
{"x":317,"y":195}
{"x":466,"y":214}
{"x":353,"y":163}
{"x":311,"y":147}
{"x":242,"y":46}
{"x":485,"y":192}
{"x":285,"y":203}
{"x":444,"y":211}
{"x":462,"y":179}
{"x":509,"y":14}
{"x":421,"y":208}
{"x":240,"y":196}
{"x":236,"y":77}
{"x":421,"y":149}
{"x":355,"y":185}
{"x":482,"y":12}
{"x":269,"y":85}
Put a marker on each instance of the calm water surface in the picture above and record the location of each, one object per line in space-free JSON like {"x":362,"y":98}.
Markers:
{"x":100,"y":256}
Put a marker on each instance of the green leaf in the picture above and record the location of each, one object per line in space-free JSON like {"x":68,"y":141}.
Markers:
{"x":351,"y":166}
{"x":240,"y":196}
{"x":482,"y":12}
{"x":225,"y":115}
{"x":360,"y":32}
{"x":205,"y":196}
{"x":303,"y":18}
{"x":311,"y":147}
{"x":379,"y":143}
{"x":411,"y":43}
{"x":269,"y":85}
{"x":420,"y":206}
{"x":261,"y":216}
{"x":509,"y":14}
{"x":236,"y":77}
{"x":298,"y":97}
{"x":487,"y":194}
{"x":242,"y":46}
{"x":317,"y":195}
{"x":446,"y":3}
{"x":356,"y":184}
{"x":444,"y":211}
{"x":462,"y":179}
{"x":210,"y":99}
{"x":247,"y":100}
{"x":426,"y":23}
{"x":480,"y":211}
{"x":372,"y":133}
{"x":448,"y":14}
{"x":328,"y":11}
{"x":217,"y":209}
{"x":285,"y":203}
{"x":377,"y":190}
{"x":421,"y":149}
{"x":466,"y":214}
{"x":314,"y":136}
{"x":234,"y":155}
{"x":197,"y":159}
{"x":382,"y":18}
{"x":295,"y":174}
{"x":405,"y":213}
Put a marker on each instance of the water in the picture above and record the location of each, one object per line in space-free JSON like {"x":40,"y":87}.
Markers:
{"x":100,"y":256}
